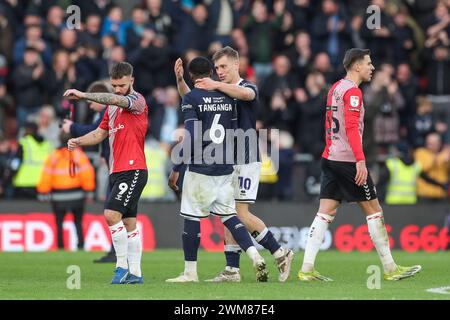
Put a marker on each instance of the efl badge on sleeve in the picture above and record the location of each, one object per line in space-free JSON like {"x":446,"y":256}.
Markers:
{"x":354,"y":101}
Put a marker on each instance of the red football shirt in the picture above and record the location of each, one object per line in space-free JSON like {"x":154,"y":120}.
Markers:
{"x":127,"y":128}
{"x":344,"y":123}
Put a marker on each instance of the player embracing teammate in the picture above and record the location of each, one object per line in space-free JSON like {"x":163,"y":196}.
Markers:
{"x":208,"y":182}
{"x":248,"y":163}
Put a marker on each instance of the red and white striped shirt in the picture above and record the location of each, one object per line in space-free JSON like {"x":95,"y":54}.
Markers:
{"x":127,"y":128}
{"x":344,"y":124}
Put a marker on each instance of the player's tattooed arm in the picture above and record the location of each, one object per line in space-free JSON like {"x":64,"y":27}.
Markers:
{"x":99,"y":97}
{"x":108,"y":99}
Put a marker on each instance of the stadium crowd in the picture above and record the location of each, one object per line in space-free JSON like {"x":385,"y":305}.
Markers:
{"x":293,"y":51}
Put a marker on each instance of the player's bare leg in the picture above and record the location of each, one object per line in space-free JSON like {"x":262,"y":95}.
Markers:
{"x":120,"y":243}
{"x":379,"y":236}
{"x":264,"y":237}
{"x":324,"y":217}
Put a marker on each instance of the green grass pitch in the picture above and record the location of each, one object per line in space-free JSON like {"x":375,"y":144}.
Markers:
{"x":44,"y":276}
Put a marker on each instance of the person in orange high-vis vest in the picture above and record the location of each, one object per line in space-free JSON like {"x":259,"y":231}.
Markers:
{"x":67,"y":192}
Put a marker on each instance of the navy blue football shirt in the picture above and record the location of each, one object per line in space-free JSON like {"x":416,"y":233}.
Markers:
{"x":210,"y":118}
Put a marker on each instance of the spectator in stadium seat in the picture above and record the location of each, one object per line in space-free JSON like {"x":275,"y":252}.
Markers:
{"x":240,"y":41}
{"x":281,"y":114}
{"x":6,"y":104}
{"x":356,"y":23}
{"x":423,"y":11}
{"x":107,"y":42}
{"x":171,"y":117}
{"x":331,"y":31}
{"x":246,"y":70}
{"x":28,"y":80}
{"x":311,"y":115}
{"x":260,"y":30}
{"x":59,"y":78}
{"x":159,"y":20}
{"x":409,"y":88}
{"x":241,"y":8}
{"x":48,"y":126}
{"x":435,"y":162}
{"x":68,"y":40}
{"x":53,"y":25}
{"x":222,"y":17}
{"x":302,"y":13}
{"x":90,"y":7}
{"x":6,"y":35}
{"x":118,"y":54}
{"x":423,"y":122}
{"x":404,"y":38}
{"x":150,"y":61}
{"x":194,"y":24}
{"x":285,"y":35}
{"x":385,"y":100}
{"x":322,"y":64}
{"x":67,"y":190}
{"x":89,"y":66}
{"x":284,"y":185}
{"x":135,"y":32}
{"x":90,"y":36}
{"x":113,"y":24}
{"x":438,"y":69}
{"x":380,"y":40}
{"x":281,"y":79}
{"x":32,"y":39}
{"x":301,"y":56}
{"x":438,"y":26}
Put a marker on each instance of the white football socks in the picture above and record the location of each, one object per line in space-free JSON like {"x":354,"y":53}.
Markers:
{"x":378,"y":233}
{"x":279,"y":253}
{"x":315,"y":239}
{"x":135,"y":252}
{"x":253,"y":254}
{"x":119,"y":240}
{"x":190,"y":267}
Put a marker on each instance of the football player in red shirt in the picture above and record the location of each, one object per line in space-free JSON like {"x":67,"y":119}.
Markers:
{"x":125,"y":122}
{"x":344,"y":172}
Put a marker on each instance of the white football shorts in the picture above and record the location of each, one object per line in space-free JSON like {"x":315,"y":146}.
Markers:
{"x":203,"y":195}
{"x":246,"y":182}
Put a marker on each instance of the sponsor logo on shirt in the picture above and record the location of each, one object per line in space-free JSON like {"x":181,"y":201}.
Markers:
{"x":186,"y":106}
{"x":119,"y":127}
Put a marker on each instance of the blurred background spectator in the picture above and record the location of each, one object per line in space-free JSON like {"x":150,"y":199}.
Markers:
{"x":435,"y":162}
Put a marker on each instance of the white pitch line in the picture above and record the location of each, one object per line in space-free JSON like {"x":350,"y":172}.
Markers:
{"x":441,"y":290}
